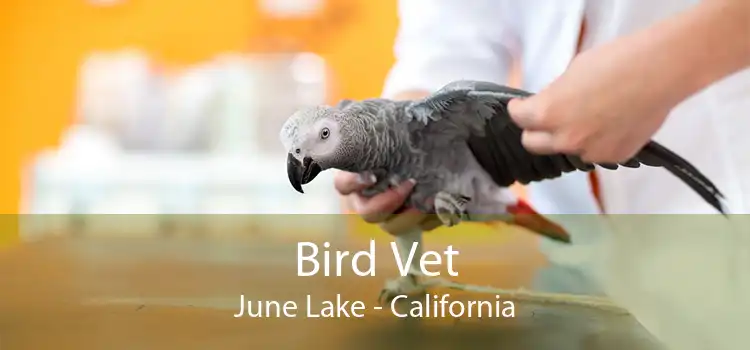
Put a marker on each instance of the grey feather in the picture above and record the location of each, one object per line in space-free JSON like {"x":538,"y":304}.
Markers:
{"x":495,"y":140}
{"x":458,"y":141}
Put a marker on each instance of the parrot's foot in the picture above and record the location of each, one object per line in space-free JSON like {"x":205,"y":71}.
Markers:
{"x":451,"y":208}
{"x":409,"y":285}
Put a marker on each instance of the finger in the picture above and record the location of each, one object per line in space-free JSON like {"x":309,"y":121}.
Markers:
{"x":612,"y":154}
{"x":347,"y":204}
{"x":610,"y":148}
{"x":379,"y":207}
{"x":525,"y":113}
{"x":404,"y":222}
{"x":539,"y":142}
{"x":347,"y":183}
{"x":596,"y":156}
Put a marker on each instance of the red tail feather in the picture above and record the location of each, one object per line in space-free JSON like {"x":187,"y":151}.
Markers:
{"x":525,"y":216}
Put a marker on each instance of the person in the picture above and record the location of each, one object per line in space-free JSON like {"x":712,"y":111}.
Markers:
{"x":610,"y":74}
{"x":598,"y":107}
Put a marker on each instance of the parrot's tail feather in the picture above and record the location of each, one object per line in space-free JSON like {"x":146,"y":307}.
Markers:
{"x":715,"y":199}
{"x":525,"y":216}
{"x":655,"y":154}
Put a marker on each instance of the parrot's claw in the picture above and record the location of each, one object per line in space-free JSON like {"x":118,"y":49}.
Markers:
{"x":451,"y":208}
{"x":407,"y":285}
{"x":394,"y":181}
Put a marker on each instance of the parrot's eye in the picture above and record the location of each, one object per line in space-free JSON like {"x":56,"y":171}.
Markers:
{"x":298,"y":151}
{"x":325,"y":133}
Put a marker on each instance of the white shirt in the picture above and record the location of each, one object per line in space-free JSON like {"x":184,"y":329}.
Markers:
{"x":440,"y":41}
{"x":444,"y":40}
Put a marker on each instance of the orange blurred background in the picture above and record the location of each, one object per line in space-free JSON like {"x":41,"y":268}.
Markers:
{"x":43,"y":44}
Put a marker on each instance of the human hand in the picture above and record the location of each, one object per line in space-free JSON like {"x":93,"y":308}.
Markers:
{"x":604,"y":108}
{"x":380,"y":209}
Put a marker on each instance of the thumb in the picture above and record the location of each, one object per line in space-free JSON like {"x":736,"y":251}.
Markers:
{"x":405,"y":188}
{"x":523,"y":112}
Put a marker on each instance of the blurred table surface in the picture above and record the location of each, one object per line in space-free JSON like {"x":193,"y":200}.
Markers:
{"x":181,"y":291}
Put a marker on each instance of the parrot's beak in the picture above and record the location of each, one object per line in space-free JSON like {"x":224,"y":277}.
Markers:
{"x":301,"y":173}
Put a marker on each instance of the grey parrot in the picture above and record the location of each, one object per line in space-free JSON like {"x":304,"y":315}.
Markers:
{"x":461,"y":147}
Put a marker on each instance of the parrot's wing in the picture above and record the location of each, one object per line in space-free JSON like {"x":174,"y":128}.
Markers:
{"x":478,"y":110}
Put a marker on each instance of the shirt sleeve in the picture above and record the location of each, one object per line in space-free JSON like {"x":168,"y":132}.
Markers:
{"x":439,"y":41}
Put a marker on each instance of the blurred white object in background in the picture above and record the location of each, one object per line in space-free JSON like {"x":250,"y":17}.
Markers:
{"x":117,"y":91}
{"x":67,"y":183}
{"x":192,"y":100}
{"x":203,"y":140}
{"x":289,"y":82}
{"x":309,"y":72}
{"x":238,"y":112}
{"x":86,"y":141}
{"x":234,"y":104}
{"x":291,"y":8}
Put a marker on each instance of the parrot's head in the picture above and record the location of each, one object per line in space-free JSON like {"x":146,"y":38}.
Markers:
{"x":315,"y":142}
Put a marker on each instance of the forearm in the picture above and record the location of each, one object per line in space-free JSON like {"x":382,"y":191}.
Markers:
{"x":700,"y":46}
